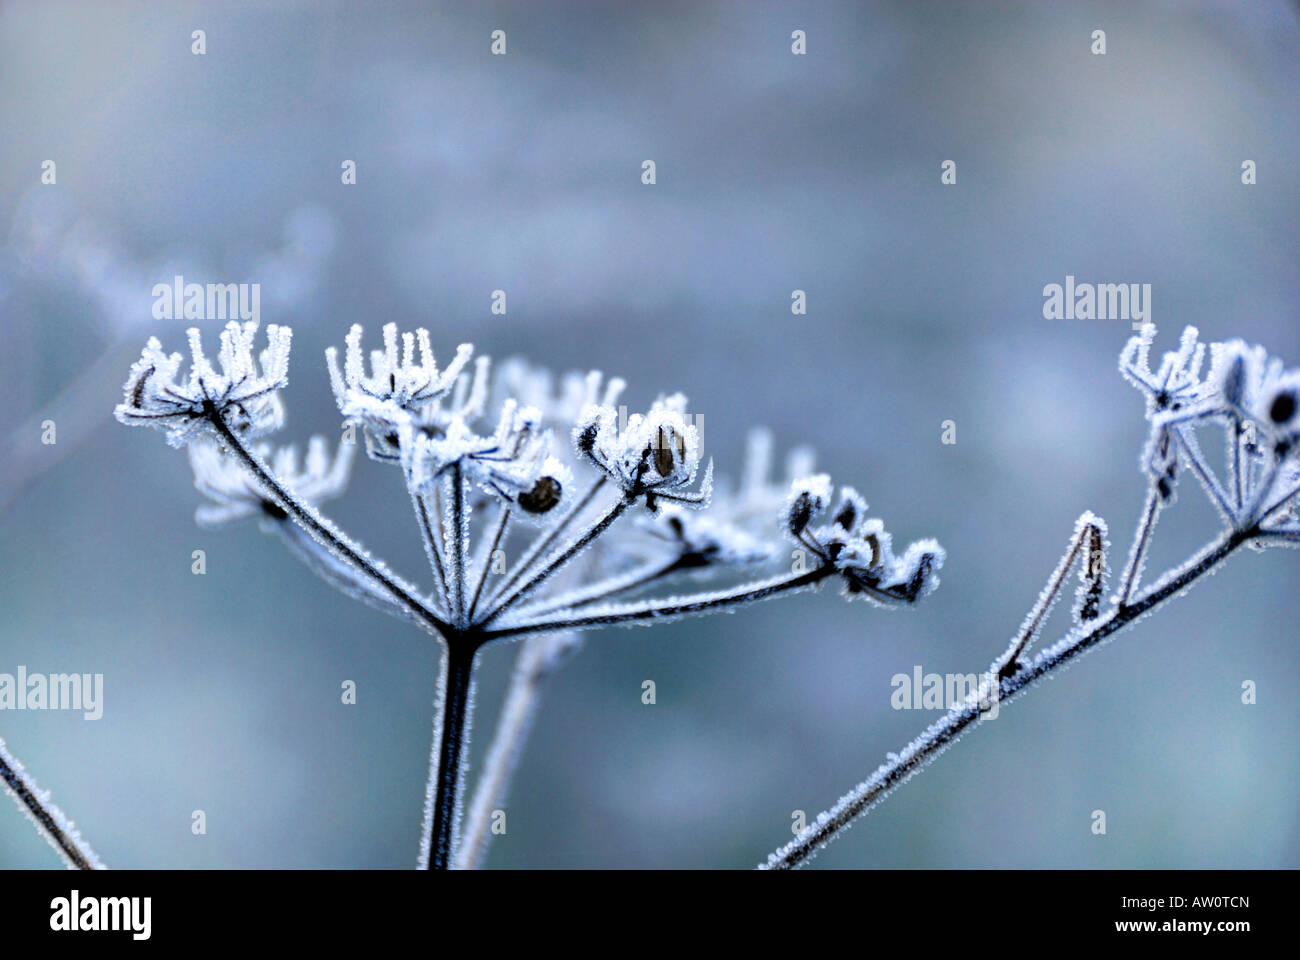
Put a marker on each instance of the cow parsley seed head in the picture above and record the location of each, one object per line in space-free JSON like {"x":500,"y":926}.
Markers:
{"x":404,"y":386}
{"x":236,"y":494}
{"x":654,"y":455}
{"x":807,"y":502}
{"x":470,"y":448}
{"x":1176,"y":383}
{"x":861,"y":549}
{"x":244,"y":391}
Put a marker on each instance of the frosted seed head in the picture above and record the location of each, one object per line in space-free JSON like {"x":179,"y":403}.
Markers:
{"x":244,"y":393}
{"x":851,"y":509}
{"x":807,"y":502}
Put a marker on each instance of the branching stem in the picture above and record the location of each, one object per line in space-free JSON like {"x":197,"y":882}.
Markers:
{"x":969,"y":713}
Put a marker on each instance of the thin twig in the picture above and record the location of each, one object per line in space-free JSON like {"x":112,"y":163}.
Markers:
{"x":604,"y":589}
{"x":658,"y":610}
{"x":538,"y":546}
{"x":502,"y":524}
{"x":323,"y":530}
{"x":556,"y":561}
{"x":537,"y":658}
{"x":1137,"y":553}
{"x":49,"y":819}
{"x":939,"y":735}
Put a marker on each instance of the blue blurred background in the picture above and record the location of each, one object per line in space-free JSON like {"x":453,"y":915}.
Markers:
{"x":775,"y":172}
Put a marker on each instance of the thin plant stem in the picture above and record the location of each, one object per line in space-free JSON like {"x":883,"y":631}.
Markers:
{"x":458,"y":559}
{"x":49,"y":820}
{"x":658,"y":610}
{"x":1137,"y":553}
{"x":432,"y":548}
{"x":1034,"y":622}
{"x":538,"y":546}
{"x":933,"y":740}
{"x":557,"y":560}
{"x":604,"y":589}
{"x":1202,"y":470}
{"x":322,"y":530}
{"x":502,"y":524}
{"x":537,"y":659}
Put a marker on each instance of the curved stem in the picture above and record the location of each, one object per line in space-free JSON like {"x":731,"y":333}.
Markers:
{"x":659,"y":610}
{"x":502,"y":524}
{"x":321,"y":529}
{"x":557,"y":560}
{"x":446,"y":768}
{"x":604,"y":589}
{"x":969,"y":713}
{"x":49,"y":820}
{"x":543,"y":541}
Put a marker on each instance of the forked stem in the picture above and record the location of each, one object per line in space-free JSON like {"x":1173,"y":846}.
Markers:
{"x":912,"y":758}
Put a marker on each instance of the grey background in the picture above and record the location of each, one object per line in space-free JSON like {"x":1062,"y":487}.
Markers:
{"x":775,"y":172}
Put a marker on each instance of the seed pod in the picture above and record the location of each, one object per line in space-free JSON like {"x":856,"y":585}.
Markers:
{"x":544,"y":495}
{"x":668,"y":442}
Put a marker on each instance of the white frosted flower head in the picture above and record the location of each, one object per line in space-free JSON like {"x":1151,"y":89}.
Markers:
{"x":861,"y":549}
{"x":1237,"y":371}
{"x":513,"y":464}
{"x":655,"y":454}
{"x":403,"y":385}
{"x":1277,"y":407}
{"x":807,"y":502}
{"x":242,"y":389}
{"x":1176,"y":383}
{"x":236,"y":494}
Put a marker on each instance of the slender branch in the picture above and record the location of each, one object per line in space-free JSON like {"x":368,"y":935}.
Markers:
{"x":432,"y":547}
{"x":322,"y":529}
{"x":1137,"y":553}
{"x":502,"y":524}
{"x":537,"y":659}
{"x":334,"y":571}
{"x":49,"y":819}
{"x":446,"y":766}
{"x":1236,"y":463}
{"x":557,"y":560}
{"x":659,"y":610}
{"x":969,"y":713}
{"x":458,"y":559}
{"x":1046,"y":600}
{"x":538,"y":546}
{"x":1196,"y":459}
{"x":604,"y":589}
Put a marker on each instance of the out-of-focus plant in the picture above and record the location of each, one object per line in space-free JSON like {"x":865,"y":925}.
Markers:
{"x":1254,"y":402}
